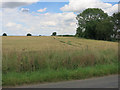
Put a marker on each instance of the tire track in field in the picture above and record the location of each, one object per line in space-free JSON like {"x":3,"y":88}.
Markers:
{"x":69,"y":43}
{"x":61,"y":41}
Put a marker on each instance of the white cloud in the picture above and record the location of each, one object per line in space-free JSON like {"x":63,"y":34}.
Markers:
{"x":112,"y":9}
{"x":16,"y":22}
{"x":46,"y":14}
{"x":80,"y":5}
{"x":12,"y":24}
{"x":42,"y":10}
{"x":29,"y":1}
{"x":25,"y":9}
{"x":16,"y":3}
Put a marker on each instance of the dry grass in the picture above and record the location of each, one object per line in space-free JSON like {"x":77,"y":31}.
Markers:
{"x":31,"y":54}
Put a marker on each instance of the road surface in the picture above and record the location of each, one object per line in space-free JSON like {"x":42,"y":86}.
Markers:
{"x":101,"y":82}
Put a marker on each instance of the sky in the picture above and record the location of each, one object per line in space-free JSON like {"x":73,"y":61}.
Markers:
{"x":44,"y":18}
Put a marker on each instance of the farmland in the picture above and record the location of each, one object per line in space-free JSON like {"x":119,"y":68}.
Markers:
{"x":48,"y":59}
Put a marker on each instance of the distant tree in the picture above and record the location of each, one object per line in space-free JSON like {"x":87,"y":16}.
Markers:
{"x":66,"y":35}
{"x":54,"y":34}
{"x":29,"y":34}
{"x":4,"y":34}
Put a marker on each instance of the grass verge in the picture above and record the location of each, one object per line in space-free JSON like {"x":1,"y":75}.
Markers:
{"x":49,"y":75}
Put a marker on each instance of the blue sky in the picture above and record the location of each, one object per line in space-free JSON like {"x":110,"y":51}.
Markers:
{"x":52,"y":7}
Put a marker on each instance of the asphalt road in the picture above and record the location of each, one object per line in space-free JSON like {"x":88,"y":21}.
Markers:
{"x":101,"y":82}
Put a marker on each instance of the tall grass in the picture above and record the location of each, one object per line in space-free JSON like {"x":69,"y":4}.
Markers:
{"x":34,"y":60}
{"x":47,"y":63}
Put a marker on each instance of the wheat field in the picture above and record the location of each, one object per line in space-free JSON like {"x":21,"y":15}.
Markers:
{"x":50,"y":54}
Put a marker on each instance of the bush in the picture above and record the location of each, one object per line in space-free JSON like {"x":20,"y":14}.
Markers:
{"x":29,"y":34}
{"x":66,"y":35}
{"x":54,"y":34}
{"x":4,"y":34}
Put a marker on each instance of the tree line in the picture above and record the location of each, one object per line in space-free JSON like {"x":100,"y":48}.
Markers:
{"x":53,"y":34}
{"x":29,"y":34}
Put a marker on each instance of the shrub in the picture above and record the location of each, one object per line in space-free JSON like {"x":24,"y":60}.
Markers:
{"x":54,"y":34}
{"x":29,"y":34}
{"x":4,"y":34}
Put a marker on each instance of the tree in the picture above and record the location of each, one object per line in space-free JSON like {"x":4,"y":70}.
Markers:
{"x":87,"y":21}
{"x":4,"y":34}
{"x":90,"y":14}
{"x":80,"y":32}
{"x":104,"y":30}
{"x":90,"y":31}
{"x":29,"y":34}
{"x":54,"y":34}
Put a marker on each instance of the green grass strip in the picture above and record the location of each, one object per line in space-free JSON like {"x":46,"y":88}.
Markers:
{"x":13,"y":78}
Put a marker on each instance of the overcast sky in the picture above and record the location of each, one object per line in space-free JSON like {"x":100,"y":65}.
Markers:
{"x":43,"y":18}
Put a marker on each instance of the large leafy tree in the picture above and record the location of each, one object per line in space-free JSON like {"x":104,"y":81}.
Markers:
{"x":93,"y":23}
{"x":86,"y":17}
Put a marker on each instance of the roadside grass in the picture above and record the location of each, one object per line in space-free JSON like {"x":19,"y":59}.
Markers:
{"x":48,"y":75}
{"x":29,"y":60}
